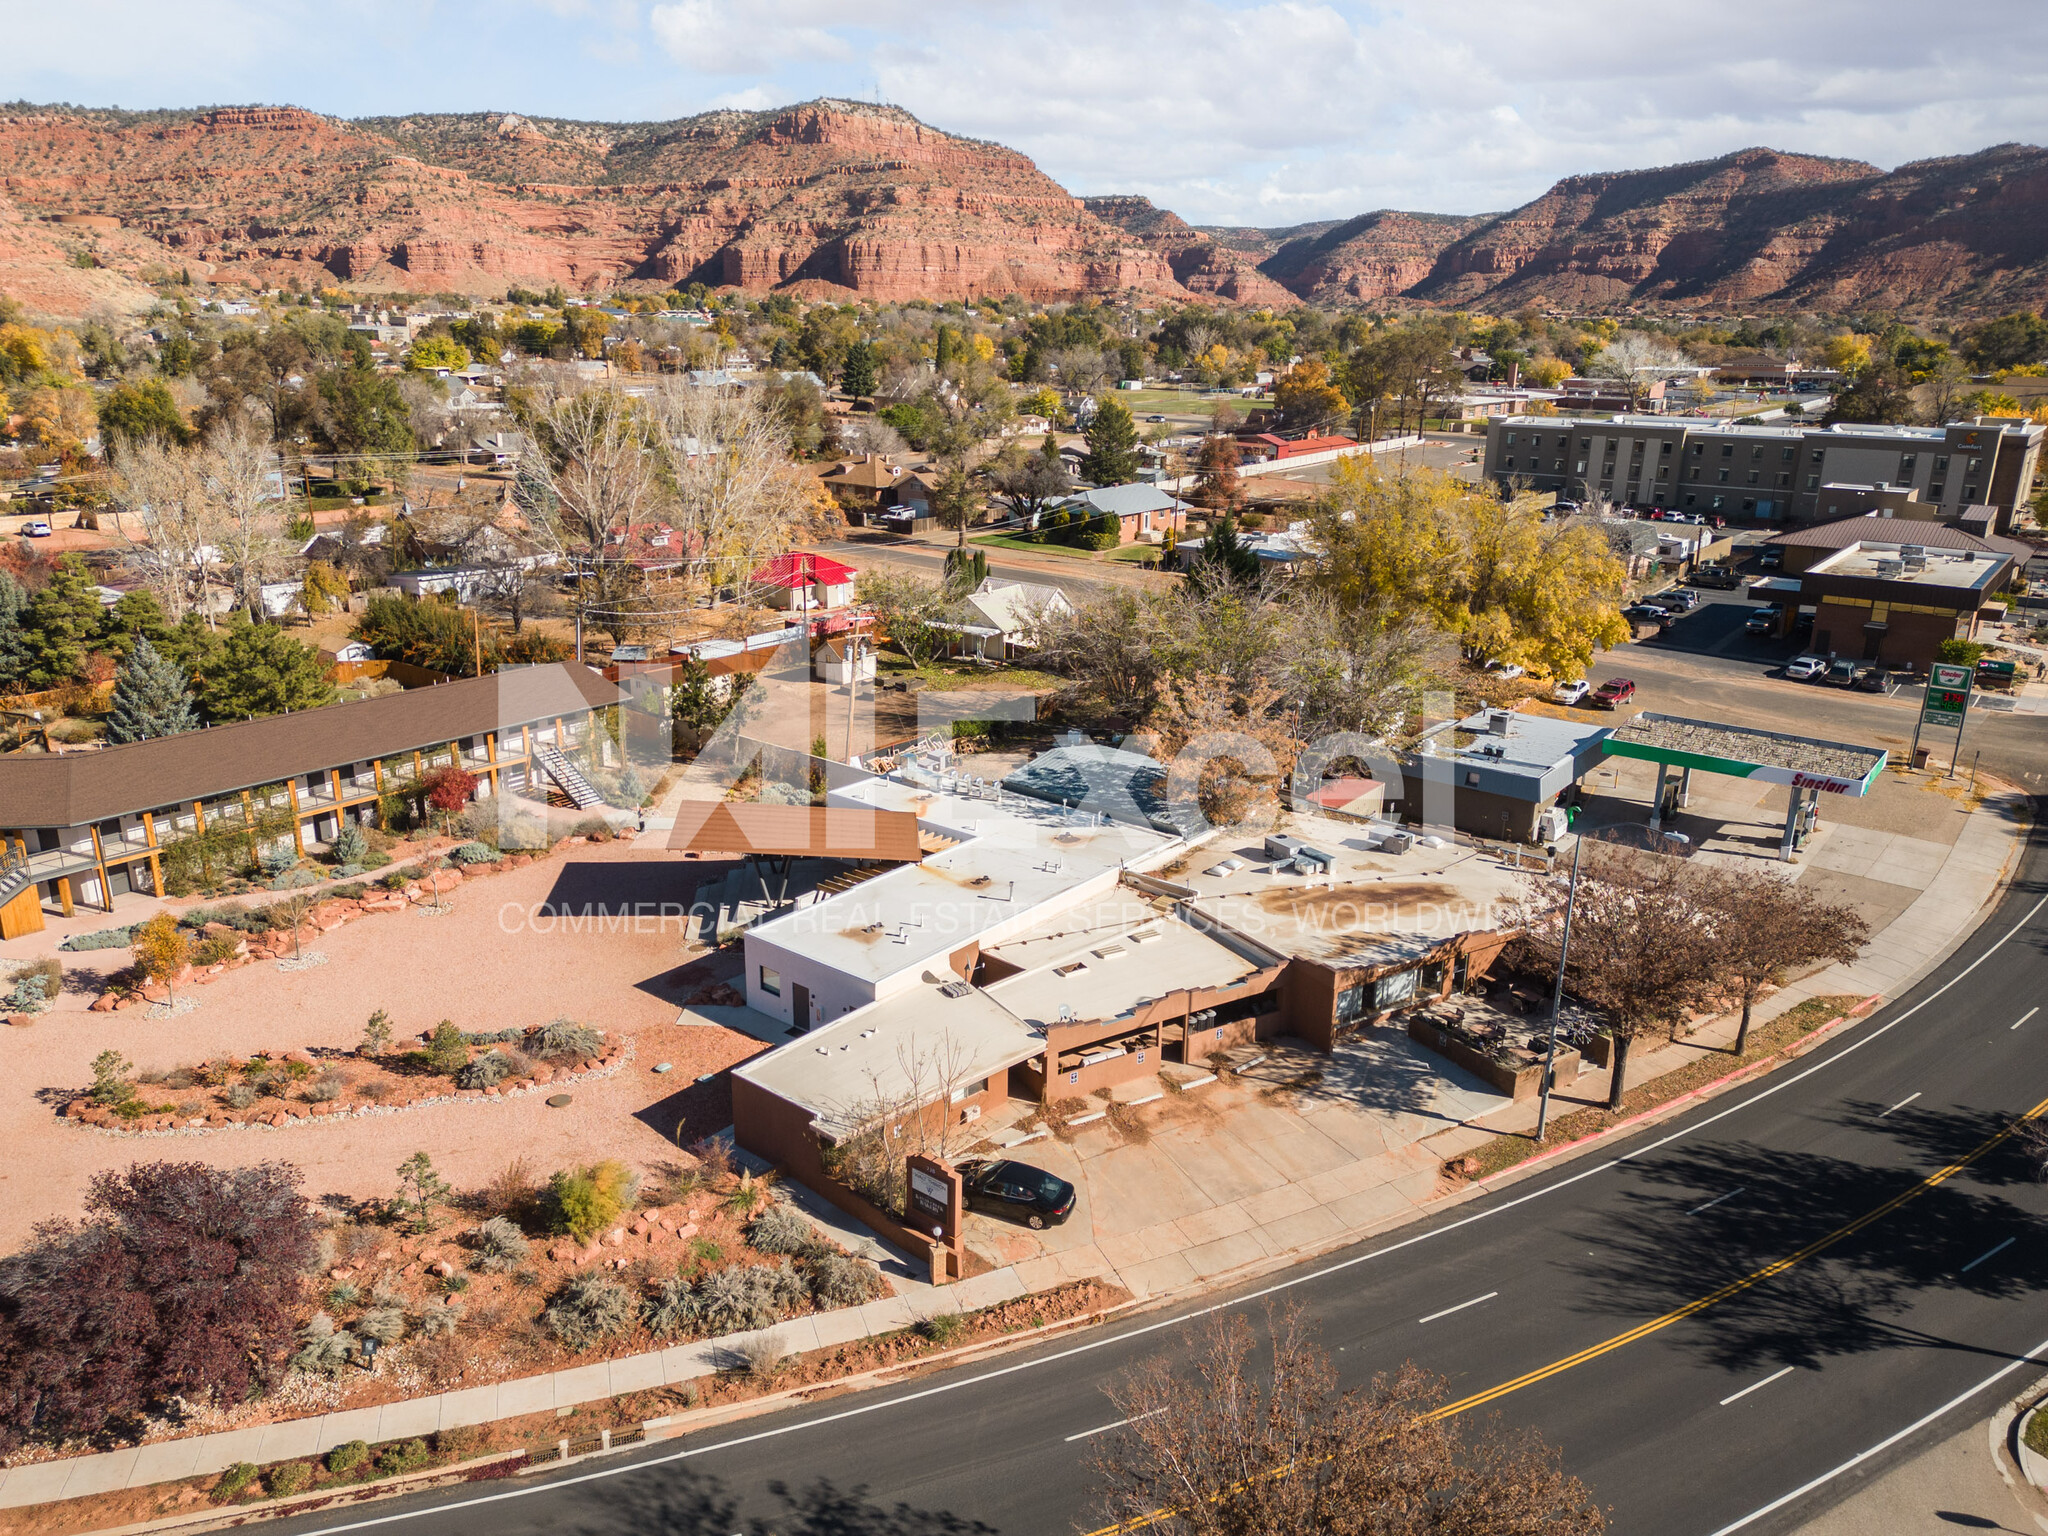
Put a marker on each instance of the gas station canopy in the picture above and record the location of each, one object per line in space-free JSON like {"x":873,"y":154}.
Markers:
{"x":1769,"y":757}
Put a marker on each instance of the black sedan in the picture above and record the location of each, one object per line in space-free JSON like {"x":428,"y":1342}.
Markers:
{"x":1018,"y":1192}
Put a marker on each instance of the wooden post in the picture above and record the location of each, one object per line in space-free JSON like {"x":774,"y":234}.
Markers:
{"x":64,"y":893}
{"x":291,"y":789}
{"x":99,"y":857}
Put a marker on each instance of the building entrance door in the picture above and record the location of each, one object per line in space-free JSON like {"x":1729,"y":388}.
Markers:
{"x":799,"y":1008}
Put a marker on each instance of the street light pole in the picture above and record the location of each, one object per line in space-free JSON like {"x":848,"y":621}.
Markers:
{"x":1557,"y":992}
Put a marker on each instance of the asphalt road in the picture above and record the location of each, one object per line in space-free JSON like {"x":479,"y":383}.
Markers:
{"x":1910,"y":1291}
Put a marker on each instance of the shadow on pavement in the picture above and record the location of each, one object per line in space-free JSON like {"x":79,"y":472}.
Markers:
{"x":683,"y":1503}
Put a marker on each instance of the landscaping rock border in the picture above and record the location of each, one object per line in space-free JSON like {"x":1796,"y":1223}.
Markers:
{"x":610,"y":1065}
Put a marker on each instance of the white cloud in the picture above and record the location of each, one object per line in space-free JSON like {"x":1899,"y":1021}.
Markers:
{"x":720,"y":38}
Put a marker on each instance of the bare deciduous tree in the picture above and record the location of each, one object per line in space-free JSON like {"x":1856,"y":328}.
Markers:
{"x":1642,"y":949}
{"x":239,"y":469}
{"x":1237,"y":1448}
{"x":597,"y":474}
{"x":1765,"y":927}
{"x":163,"y":491}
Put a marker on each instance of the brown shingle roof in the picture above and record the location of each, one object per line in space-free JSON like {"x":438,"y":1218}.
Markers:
{"x":1844,"y":531}
{"x":75,"y":789}
{"x":814,"y":831}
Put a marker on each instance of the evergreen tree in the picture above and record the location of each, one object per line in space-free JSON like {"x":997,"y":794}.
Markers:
{"x":946,"y":351}
{"x":150,"y":697}
{"x":1225,"y":559}
{"x":13,"y":631}
{"x":63,"y":623}
{"x":136,"y":616}
{"x":1112,"y":446}
{"x":263,"y":671}
{"x":857,"y":377}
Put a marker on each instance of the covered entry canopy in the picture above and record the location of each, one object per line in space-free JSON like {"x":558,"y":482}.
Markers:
{"x":796,"y":831}
{"x":1810,"y":767}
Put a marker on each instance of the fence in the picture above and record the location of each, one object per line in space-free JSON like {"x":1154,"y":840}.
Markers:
{"x":73,"y":696}
{"x":403,"y":673}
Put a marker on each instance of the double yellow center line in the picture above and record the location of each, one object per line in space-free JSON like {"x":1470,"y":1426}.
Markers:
{"x":1690,"y":1309}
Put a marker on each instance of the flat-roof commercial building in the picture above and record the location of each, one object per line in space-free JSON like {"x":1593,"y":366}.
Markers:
{"x":92,"y":826}
{"x":1895,"y":602}
{"x":1502,"y":770}
{"x":1763,"y":471}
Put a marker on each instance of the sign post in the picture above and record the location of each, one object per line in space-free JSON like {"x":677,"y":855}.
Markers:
{"x":1947,"y":702}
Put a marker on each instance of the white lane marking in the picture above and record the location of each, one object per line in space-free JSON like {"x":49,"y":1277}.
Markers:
{"x":1909,"y":1098}
{"x":1461,"y":1306}
{"x":1104,"y":1429}
{"x":2025,"y":1016}
{"x":1755,"y":1384}
{"x":1089,"y":1346}
{"x":2029,"y":1358}
{"x":1994,"y":1253}
{"x":1738,"y":1189}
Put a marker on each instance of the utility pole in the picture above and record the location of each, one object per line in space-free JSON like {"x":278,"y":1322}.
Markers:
{"x":1571,"y":901}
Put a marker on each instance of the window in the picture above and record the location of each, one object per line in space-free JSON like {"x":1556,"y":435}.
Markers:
{"x":1788,"y":455}
{"x":1752,"y":477}
{"x":1691,"y":500}
{"x":1472,"y":777}
{"x":1724,"y":477}
{"x":1813,"y":482}
{"x":1558,"y":466}
{"x":1727,"y":450}
{"x":1969,"y":493}
{"x":1585,"y":444}
{"x":1351,"y":1003}
{"x":969,"y":1090}
{"x":1509,"y":439}
{"x":1749,"y":503}
{"x":1396,"y":989}
{"x":1785,"y":480}
{"x":1698,"y":449}
{"x":1719,"y":502}
{"x":1663,"y":471}
{"x":1756,"y":453}
{"x":771,"y":982}
{"x":1907,"y":463}
{"x":1581,"y":469}
{"x":1819,"y":454}
{"x":1975,"y":465}
{"x":1936,"y":491}
{"x":1941,"y":463}
{"x":1666,"y":449}
{"x":1508,"y":462}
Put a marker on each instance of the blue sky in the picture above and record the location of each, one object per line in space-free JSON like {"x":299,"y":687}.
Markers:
{"x":1235,"y":111}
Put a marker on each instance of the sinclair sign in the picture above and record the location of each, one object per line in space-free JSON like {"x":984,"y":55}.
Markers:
{"x":1948,"y":694}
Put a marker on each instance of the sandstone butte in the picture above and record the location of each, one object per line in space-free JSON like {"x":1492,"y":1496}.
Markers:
{"x":844,"y":199}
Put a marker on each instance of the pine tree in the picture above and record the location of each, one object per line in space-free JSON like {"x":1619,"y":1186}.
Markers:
{"x":1224,"y":558}
{"x":62,"y":624}
{"x":857,"y":377}
{"x":150,"y":698}
{"x":261,"y":670}
{"x":1112,"y":446}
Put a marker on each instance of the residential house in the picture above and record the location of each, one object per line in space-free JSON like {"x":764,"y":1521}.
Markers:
{"x":800,"y":580}
{"x":1143,"y":512}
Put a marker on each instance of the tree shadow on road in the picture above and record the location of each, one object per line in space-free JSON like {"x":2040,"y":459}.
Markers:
{"x":1857,"y":1292}
{"x":677,"y":1502}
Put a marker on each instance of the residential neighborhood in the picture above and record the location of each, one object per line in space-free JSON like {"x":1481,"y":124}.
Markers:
{"x":791,"y":832}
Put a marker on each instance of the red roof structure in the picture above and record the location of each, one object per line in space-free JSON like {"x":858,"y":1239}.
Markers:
{"x":801,"y":568}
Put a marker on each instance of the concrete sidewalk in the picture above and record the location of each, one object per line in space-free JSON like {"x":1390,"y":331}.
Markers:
{"x":1311,"y":1167}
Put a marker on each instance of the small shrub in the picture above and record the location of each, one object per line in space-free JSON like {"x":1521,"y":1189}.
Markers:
{"x":455,"y":1283}
{"x":384,"y":1322}
{"x":514,"y":1193}
{"x":397,"y":880}
{"x":241,"y":1095}
{"x":376,"y":1035}
{"x":672,"y":1309}
{"x":353,"y":890}
{"x":323,"y":1349}
{"x":234,"y":1482}
{"x":596,"y":828}
{"x":747,"y":1296}
{"x":748,"y":1196}
{"x":276,"y":861}
{"x":942,"y":1328}
{"x":292,"y":880}
{"x":105,"y":938}
{"x":473,"y":853}
{"x":500,"y":1245}
{"x":349,"y":1456}
{"x":376,"y":1088}
{"x":406,"y":1456}
{"x":111,"y":1081}
{"x":216,"y":949}
{"x":587,"y":1309}
{"x":714,"y":1157}
{"x":584,"y":1201}
{"x":346,"y":1293}
{"x":705,"y":1250}
{"x":458,"y":1440}
{"x":494,"y":1036}
{"x":438,"y":1319}
{"x":377,"y":859}
{"x":446,"y":1051}
{"x":780,"y":1229}
{"x":840,"y":1280}
{"x":487,"y":1071}
{"x":287,"y":1479}
{"x":564,"y":1040}
{"x":762,"y":1359}
{"x":350,"y":846}
{"x":326,"y":1088}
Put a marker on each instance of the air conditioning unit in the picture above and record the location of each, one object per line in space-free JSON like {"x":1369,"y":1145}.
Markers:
{"x":970,"y":1114}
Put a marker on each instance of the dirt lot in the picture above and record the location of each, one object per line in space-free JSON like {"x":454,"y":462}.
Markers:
{"x":582,"y":934}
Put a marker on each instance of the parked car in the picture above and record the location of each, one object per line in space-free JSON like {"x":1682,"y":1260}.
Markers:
{"x":1155,"y":418}
{"x":1570,"y":690}
{"x":1565,"y":504}
{"x":1803,"y":669}
{"x":1614,"y":692}
{"x":1763,"y":622}
{"x":1717,"y":576}
{"x":1870,"y":680}
{"x":1645,"y":613}
{"x":1507,"y":671}
{"x":1017,"y":1192}
{"x":1773,"y":558}
{"x":1841,"y":674}
{"x":35,"y":530}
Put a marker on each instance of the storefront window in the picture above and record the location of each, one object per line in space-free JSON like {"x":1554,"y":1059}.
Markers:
{"x":1394,"y":990}
{"x":1351,"y":1002}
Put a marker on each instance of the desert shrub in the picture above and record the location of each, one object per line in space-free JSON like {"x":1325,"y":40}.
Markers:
{"x":385,"y":1323}
{"x":500,"y":1245}
{"x":584,"y":1201}
{"x":487,"y":1071}
{"x":405,"y":1456}
{"x":526,"y":833}
{"x":277,"y":860}
{"x":714,"y":1157}
{"x":236,"y":1481}
{"x":564,"y":1040}
{"x":292,"y":880}
{"x":473,"y":853}
{"x":112,"y":1080}
{"x":438,"y":1319}
{"x":350,"y":846}
{"x":671,"y":1309}
{"x":596,"y":828}
{"x":446,"y":1051}
{"x":746,"y":1297}
{"x":326,"y":1088}
{"x":288,"y":1478}
{"x":241,"y":1095}
{"x":587,"y":1309}
{"x":780,"y":1229}
{"x":346,"y":1293}
{"x":352,"y":890}
{"x":36,"y":983}
{"x":105,"y":938}
{"x":323,"y":1255}
{"x":763,"y":1358}
{"x":323,"y":1349}
{"x":397,"y":880}
{"x":514,"y":1192}
{"x":376,"y":859}
{"x":840,"y":1280}
{"x":215,"y":949}
{"x":494,"y":1036}
{"x":349,"y":1456}
{"x":943,"y":1328}
{"x":458,"y":1440}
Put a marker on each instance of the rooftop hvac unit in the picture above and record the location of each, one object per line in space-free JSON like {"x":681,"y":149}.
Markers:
{"x":1310,"y":860}
{"x":1500,"y":721}
{"x":1913,"y":551}
{"x":1890,"y":570}
{"x":1281,"y":846}
{"x":1396,"y":842}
